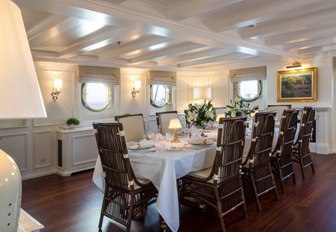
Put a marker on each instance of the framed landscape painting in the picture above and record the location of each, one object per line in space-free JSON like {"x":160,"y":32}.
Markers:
{"x":297,"y":85}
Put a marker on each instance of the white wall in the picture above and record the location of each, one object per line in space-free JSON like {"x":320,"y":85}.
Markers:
{"x":33,"y":143}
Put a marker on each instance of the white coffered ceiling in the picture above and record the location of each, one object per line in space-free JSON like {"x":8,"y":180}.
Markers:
{"x":178,"y":34}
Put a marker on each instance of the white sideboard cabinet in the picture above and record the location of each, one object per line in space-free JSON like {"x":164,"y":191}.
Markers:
{"x":76,"y":150}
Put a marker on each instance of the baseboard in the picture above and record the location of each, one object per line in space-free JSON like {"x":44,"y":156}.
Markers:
{"x":37,"y":174}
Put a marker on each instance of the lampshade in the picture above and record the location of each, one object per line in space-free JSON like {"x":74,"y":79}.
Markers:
{"x":174,"y":124}
{"x":202,"y":93}
{"x":20,"y":95}
{"x":58,"y":84}
{"x":137,"y":84}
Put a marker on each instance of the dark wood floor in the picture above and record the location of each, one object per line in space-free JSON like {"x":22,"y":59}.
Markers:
{"x":73,"y":204}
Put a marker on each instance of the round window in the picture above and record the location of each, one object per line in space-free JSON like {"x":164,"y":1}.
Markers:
{"x":159,"y":95}
{"x":249,"y":90}
{"x":96,"y":96}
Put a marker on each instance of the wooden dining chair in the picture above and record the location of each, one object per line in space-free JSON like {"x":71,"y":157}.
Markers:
{"x":133,"y":125}
{"x":281,"y":160}
{"x":257,"y":171}
{"x":220,"y":186}
{"x":301,"y":152}
{"x":163,"y":119}
{"x":125,"y":195}
{"x":279,"y":108}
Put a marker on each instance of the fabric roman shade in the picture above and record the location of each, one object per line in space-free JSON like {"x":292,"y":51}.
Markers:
{"x":99,"y":74}
{"x":162,"y":77}
{"x":246,"y":74}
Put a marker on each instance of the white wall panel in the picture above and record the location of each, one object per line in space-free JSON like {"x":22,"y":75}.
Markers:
{"x":43,"y":149}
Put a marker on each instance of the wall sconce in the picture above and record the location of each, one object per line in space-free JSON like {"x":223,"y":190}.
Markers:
{"x":136,"y":88}
{"x":57,"y":89}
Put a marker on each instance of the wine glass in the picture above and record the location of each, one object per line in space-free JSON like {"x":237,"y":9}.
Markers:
{"x":169,"y":136}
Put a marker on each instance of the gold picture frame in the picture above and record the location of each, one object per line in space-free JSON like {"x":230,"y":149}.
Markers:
{"x":298,"y":85}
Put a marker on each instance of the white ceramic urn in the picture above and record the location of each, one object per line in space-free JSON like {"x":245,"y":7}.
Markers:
{"x":10,"y":193}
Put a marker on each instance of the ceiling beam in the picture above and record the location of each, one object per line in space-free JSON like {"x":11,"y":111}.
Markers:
{"x":302,"y":35}
{"x":133,"y":46}
{"x":288,"y":25}
{"x":54,"y":31}
{"x":174,"y":50}
{"x":227,"y":57}
{"x":95,"y":41}
{"x":103,"y":12}
{"x":191,"y":8}
{"x":310,"y":43}
{"x":194,"y":56}
{"x":258,"y":14}
{"x":44,"y":25}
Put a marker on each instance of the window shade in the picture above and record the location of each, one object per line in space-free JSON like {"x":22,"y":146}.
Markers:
{"x":162,"y":77}
{"x":246,"y":74}
{"x":99,"y":74}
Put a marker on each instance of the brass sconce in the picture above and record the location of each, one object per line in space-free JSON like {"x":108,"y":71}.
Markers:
{"x":136,"y":88}
{"x":57,"y":89}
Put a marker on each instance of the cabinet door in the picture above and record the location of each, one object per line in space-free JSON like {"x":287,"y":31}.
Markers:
{"x":16,"y":145}
{"x":84,"y":149}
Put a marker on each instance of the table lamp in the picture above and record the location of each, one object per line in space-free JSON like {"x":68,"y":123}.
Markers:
{"x":20,"y":98}
{"x":175,"y":124}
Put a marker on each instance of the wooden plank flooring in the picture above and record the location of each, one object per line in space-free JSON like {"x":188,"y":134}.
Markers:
{"x":72,"y":204}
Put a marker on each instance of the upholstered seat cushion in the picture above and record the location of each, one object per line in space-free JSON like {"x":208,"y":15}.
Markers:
{"x":133,"y":127}
{"x":164,"y":120}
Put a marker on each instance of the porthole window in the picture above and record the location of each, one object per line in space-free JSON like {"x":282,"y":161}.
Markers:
{"x":159,"y":95}
{"x":249,"y":90}
{"x":96,"y":96}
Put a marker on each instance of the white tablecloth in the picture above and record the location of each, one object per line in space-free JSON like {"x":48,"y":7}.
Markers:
{"x":163,"y":168}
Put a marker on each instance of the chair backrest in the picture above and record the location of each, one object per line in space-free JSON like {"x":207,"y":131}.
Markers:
{"x":113,"y":152}
{"x":230,"y":144}
{"x":262,"y":138}
{"x":278,"y":109}
{"x":287,"y":130}
{"x":133,"y":125}
{"x":306,"y":128}
{"x":163,"y":119}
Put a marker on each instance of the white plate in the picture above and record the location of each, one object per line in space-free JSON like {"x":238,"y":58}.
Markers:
{"x":201,"y":141}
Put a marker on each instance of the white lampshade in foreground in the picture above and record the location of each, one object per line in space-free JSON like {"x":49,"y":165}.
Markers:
{"x":20,"y":97}
{"x":175,"y":124}
{"x":202,"y":93}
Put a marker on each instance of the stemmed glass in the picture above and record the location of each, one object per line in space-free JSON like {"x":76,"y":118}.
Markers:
{"x":169,"y":136}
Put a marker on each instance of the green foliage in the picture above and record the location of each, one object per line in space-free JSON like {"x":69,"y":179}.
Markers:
{"x":200,"y":115}
{"x":72,"y":121}
{"x":238,"y":107}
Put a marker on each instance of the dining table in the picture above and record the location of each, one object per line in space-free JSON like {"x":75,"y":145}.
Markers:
{"x":163,"y":166}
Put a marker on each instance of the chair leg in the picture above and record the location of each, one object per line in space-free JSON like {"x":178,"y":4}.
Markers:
{"x":281,"y":181}
{"x":280,"y":177}
{"x":219,"y":211}
{"x":301,"y":166}
{"x":130,"y":215}
{"x":255,"y":191}
{"x":312,"y":167}
{"x":103,"y":208}
{"x":294,"y":178}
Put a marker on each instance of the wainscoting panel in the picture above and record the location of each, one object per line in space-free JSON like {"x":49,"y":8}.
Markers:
{"x":16,"y":145}
{"x":43,"y":149}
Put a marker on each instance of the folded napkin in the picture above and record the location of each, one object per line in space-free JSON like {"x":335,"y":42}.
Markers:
{"x":200,"y":141}
{"x":143,"y":144}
